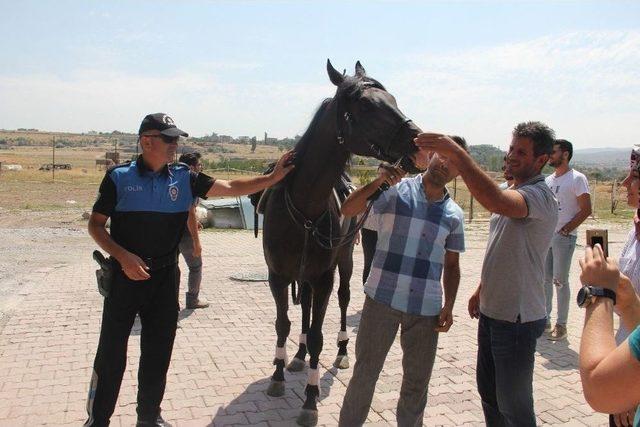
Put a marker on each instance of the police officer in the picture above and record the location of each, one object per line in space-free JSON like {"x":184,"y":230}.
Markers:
{"x":148,"y":201}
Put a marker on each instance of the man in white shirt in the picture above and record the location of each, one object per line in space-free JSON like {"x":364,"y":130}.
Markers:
{"x":574,"y":206}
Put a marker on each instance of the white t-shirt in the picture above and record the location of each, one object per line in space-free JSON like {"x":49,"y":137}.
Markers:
{"x":371,"y":223}
{"x":567,"y":188}
{"x":629,"y":264}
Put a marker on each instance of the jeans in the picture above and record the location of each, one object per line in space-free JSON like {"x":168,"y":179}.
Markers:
{"x":194,"y":263}
{"x":556,"y":272}
{"x":377,"y":330}
{"x":504,"y":371}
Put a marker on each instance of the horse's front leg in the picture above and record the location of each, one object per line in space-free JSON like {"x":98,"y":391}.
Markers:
{"x":321,"y":293}
{"x":279,"y":287}
{"x":297,"y":364}
{"x":345,"y":268}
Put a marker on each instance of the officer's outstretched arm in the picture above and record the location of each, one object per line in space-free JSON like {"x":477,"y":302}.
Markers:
{"x":132,"y":265}
{"x":243,"y":186}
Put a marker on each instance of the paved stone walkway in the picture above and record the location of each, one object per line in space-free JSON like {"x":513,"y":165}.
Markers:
{"x":222,"y":357}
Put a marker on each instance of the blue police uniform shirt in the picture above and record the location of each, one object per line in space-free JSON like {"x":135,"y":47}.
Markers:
{"x":149,"y":210}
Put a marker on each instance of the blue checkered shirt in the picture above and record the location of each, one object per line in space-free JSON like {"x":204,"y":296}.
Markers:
{"x":413,"y":235}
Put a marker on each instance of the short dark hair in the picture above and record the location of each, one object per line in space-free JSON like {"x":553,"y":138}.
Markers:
{"x":565,"y":147}
{"x":461,"y":142}
{"x":543,"y":136}
{"x":190,"y":158}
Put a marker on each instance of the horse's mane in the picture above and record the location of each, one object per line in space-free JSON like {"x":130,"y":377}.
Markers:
{"x":303,"y":142}
{"x":352,"y":87}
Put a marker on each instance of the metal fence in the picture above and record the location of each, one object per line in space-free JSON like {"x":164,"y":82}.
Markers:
{"x":607,"y":198}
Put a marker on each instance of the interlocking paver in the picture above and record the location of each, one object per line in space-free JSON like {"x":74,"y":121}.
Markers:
{"x":222,"y":357}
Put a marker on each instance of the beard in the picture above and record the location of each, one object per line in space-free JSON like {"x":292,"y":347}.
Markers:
{"x":437,"y":179}
{"x":555,"y":163}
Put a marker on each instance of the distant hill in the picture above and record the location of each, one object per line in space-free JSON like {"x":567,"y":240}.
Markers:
{"x":602,"y":157}
{"x":614,"y":160}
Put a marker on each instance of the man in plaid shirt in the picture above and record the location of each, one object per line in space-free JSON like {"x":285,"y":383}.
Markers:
{"x":420,"y":237}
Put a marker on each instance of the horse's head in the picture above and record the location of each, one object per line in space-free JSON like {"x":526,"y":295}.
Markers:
{"x":369,"y":121}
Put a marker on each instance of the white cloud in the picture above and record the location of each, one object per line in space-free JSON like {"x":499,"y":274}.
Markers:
{"x":586,"y":85}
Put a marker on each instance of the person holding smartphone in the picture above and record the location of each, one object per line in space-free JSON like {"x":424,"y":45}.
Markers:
{"x":629,"y":265}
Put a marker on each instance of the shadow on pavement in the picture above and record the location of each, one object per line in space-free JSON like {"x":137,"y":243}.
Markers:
{"x":558,"y":355}
{"x":353,"y":320}
{"x":137,"y":326}
{"x":254,"y":404}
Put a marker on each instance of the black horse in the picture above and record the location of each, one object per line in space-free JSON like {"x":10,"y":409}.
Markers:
{"x":303,"y":237}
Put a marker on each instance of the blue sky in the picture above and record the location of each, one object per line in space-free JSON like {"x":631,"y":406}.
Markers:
{"x":246,"y":67}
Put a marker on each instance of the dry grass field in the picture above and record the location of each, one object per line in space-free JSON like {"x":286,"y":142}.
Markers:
{"x":31,"y":195}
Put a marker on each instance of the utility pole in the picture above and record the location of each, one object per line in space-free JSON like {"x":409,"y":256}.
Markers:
{"x":593,"y":199}
{"x":53,"y":165}
{"x":455,"y":187}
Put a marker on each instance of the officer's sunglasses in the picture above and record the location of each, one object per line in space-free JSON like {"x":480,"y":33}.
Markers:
{"x":166,"y":139}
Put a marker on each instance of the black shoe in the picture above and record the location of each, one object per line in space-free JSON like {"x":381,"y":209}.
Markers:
{"x":158,"y":422}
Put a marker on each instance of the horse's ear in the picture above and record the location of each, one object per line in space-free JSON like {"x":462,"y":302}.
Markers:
{"x":360,"y":72}
{"x":334,"y":75}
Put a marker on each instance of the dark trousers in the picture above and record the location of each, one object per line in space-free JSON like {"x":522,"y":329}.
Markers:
{"x":155,"y":300}
{"x":504,"y":372}
{"x":369,"y":240}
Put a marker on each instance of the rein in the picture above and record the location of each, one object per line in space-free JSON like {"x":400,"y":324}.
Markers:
{"x":311,"y":227}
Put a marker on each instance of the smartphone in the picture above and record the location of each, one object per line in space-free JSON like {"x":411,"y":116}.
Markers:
{"x":599,"y":236}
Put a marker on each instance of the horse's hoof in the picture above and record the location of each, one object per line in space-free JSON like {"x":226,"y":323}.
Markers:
{"x":308,"y":417}
{"x":296,"y":365}
{"x":276,"y":389}
{"x":341,"y":362}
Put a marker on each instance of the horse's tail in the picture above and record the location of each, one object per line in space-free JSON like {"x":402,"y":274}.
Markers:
{"x":295,"y":294}
{"x":255,"y":222}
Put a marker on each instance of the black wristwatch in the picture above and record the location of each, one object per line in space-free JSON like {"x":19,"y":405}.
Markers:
{"x":587,"y":294}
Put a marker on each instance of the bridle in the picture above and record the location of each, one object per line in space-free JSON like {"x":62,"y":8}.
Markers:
{"x":344,"y":128}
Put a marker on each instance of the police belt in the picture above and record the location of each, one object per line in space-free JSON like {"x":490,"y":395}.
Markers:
{"x":158,"y":263}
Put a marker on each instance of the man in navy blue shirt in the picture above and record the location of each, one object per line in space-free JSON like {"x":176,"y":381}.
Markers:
{"x":148,"y":201}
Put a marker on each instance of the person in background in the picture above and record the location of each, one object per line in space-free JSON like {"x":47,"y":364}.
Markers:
{"x":574,"y":206}
{"x":189,"y":246}
{"x":508,"y":177}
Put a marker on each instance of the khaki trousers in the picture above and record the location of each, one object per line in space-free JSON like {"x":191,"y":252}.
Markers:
{"x":377,"y":330}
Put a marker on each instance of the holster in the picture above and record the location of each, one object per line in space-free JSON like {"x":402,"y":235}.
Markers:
{"x":105,"y":274}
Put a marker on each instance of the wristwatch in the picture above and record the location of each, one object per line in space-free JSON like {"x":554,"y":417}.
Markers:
{"x":587,"y":295}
